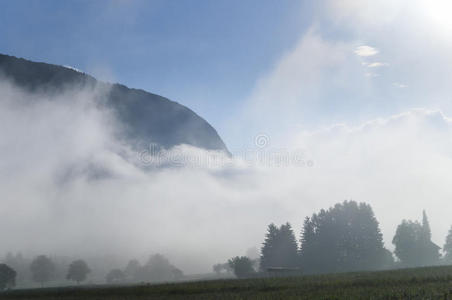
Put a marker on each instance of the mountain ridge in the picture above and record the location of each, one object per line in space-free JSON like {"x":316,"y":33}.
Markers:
{"x":145,"y":118}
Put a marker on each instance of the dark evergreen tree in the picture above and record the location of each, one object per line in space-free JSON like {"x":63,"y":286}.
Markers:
{"x":447,"y":249}
{"x":307,"y":234}
{"x":280,"y":248}
{"x":429,"y":251}
{"x":268,"y":248}
{"x":426,"y":231}
{"x":308,"y":245}
{"x":286,"y":247}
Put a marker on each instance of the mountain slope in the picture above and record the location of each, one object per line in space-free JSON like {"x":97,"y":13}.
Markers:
{"x":145,"y":118}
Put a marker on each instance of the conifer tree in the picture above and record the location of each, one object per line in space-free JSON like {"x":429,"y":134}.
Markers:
{"x":447,"y":249}
{"x":427,"y":233}
{"x":280,"y":248}
{"x":268,"y":247}
{"x":287,"y":247}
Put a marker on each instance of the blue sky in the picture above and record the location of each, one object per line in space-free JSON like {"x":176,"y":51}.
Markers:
{"x":203,"y":54}
{"x":223,"y":59}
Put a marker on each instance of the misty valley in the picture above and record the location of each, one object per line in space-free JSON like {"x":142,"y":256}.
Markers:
{"x":343,"y":238}
{"x":251,"y":149}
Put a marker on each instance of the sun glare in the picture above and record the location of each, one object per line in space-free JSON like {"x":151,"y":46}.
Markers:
{"x":438,"y":13}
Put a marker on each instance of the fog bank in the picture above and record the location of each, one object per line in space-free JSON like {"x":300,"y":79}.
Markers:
{"x":70,"y":186}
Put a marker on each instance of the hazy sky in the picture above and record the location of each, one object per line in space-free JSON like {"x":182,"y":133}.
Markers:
{"x":363,"y":88}
{"x":214,"y":55}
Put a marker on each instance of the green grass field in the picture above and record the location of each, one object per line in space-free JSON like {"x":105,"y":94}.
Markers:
{"x":420,"y":283}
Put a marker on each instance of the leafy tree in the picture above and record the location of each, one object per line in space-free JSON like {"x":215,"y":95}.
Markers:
{"x":406,"y":241}
{"x":159,"y":269}
{"x":19,"y":264}
{"x":242,"y":266}
{"x":42,"y":269}
{"x":132,"y":269}
{"x":448,"y":247}
{"x":413,"y":245}
{"x":115,"y":276}
{"x":280,"y":248}
{"x":7,"y":277}
{"x":219,"y":268}
{"x":345,"y":237}
{"x":78,"y":270}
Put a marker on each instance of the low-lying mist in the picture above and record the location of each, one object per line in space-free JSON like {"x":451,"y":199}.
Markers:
{"x":71,"y":186}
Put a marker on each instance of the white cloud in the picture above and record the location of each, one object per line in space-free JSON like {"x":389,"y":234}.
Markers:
{"x":399,"y":85}
{"x":376,"y":64}
{"x":371,"y":74}
{"x":398,"y":161}
{"x":400,"y":29}
{"x":287,"y":94}
{"x":365,"y":51}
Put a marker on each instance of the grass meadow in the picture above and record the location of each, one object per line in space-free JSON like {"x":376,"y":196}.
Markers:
{"x":419,"y":283}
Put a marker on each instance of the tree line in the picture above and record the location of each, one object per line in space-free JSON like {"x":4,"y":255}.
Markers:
{"x":157,"y":269}
{"x":343,"y":238}
{"x":43,"y":270}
